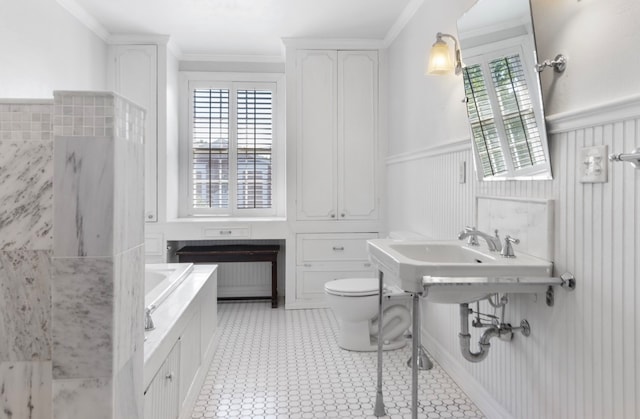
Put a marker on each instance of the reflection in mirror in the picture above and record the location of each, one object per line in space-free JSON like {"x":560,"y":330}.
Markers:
{"x":502,"y":88}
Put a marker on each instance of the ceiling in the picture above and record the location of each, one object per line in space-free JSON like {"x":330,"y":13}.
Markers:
{"x":227,"y":28}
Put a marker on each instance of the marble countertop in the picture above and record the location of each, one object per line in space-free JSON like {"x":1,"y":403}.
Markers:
{"x":170,"y":319}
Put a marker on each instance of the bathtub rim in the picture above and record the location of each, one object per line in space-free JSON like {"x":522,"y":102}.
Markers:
{"x":161,"y":291}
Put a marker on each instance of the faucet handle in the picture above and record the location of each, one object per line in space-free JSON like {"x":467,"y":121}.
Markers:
{"x":472,"y":240}
{"x":507,"y":248}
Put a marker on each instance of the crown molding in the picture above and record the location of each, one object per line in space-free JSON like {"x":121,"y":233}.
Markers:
{"x":231,"y":58}
{"x":85,"y":18}
{"x":329,"y":43}
{"x":405,"y":17}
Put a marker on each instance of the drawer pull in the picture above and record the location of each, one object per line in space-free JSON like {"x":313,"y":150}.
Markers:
{"x":169,"y":376}
{"x":225,"y":232}
{"x":338,"y":248}
{"x":367,"y":265}
{"x":307,"y":265}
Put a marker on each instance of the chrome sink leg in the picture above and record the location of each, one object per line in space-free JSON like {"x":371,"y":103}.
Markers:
{"x":424,"y":363}
{"x":379,"y":407}
{"x":414,"y":356}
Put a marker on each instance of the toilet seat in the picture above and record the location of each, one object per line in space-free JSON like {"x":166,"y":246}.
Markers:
{"x":353,"y":287}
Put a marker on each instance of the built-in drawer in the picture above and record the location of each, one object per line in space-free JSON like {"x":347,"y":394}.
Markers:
{"x":311,"y":281}
{"x":228,"y":232}
{"x":332,"y":247}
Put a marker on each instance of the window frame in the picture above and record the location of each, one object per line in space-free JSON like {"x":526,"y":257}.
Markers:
{"x":189,"y":81}
{"x":483,"y":55}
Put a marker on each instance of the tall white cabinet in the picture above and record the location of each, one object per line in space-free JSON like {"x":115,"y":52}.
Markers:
{"x":334,"y":177}
{"x":337,"y":142}
{"x":135,"y":75}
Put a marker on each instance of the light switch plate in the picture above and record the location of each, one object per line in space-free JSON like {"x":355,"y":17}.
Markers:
{"x":593,"y":164}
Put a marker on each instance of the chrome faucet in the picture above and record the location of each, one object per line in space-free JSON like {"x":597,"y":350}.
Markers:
{"x":493,"y":242}
{"x":148,"y":321}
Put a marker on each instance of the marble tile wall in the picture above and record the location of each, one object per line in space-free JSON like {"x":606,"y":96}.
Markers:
{"x":71,"y":257}
{"x":26,"y":243}
{"x":98,"y":254}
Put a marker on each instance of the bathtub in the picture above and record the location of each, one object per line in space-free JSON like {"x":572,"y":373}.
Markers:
{"x":161,"y":279}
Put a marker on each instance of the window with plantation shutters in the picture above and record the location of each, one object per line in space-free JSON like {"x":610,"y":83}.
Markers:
{"x":232,"y":143}
{"x":501,"y":110}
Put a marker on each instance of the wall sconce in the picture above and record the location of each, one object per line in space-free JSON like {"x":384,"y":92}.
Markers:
{"x":440,"y":58}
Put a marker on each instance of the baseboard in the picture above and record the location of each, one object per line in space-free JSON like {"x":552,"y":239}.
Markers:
{"x":467,"y":382}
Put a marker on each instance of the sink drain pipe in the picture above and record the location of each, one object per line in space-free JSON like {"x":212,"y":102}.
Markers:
{"x":465,"y":337}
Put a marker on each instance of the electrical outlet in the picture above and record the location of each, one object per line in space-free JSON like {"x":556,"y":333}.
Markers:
{"x":593,"y":164}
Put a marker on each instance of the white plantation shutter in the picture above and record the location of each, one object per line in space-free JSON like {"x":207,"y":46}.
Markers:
{"x":483,"y":126}
{"x":232,"y":148}
{"x":517,"y":113}
{"x":255,"y":143}
{"x":210,"y":145}
{"x":501,"y":113}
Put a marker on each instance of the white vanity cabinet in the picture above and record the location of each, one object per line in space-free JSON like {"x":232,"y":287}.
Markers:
{"x":161,"y":398}
{"x":134,"y":75}
{"x":326,"y":257}
{"x":337,"y":135}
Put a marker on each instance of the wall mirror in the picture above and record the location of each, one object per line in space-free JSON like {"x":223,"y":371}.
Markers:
{"x":502,"y":90}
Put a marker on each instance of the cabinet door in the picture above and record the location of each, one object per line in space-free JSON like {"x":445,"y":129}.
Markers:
{"x":316,"y":132}
{"x":357,"y":134}
{"x":135,"y":77}
{"x":161,"y":398}
{"x":190,"y":355}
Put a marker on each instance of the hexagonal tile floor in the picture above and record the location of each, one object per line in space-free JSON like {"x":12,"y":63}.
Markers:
{"x":276,"y":363}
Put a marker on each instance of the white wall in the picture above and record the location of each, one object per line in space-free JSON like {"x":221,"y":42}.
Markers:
{"x":583,"y":357}
{"x":44,"y":48}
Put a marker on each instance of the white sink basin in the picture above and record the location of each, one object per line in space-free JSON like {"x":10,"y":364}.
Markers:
{"x":452,"y":272}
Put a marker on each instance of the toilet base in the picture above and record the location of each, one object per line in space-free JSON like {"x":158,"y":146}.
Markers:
{"x":354,"y":336}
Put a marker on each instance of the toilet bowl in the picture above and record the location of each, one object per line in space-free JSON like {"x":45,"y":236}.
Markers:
{"x":354,"y":302}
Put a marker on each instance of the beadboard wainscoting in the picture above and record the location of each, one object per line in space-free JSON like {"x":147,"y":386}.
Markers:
{"x":582,"y":359}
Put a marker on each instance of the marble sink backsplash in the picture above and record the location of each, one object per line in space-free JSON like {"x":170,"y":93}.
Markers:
{"x":530,"y":220}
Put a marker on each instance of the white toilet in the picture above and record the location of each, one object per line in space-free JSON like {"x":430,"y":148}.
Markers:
{"x":354,"y":301}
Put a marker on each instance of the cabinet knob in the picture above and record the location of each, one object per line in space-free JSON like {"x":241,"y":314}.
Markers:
{"x":169,"y":376}
{"x":333,"y":216}
{"x":149,"y":216}
{"x":342,"y":215}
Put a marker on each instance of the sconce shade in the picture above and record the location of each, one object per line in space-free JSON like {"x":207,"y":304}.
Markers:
{"x":440,"y":58}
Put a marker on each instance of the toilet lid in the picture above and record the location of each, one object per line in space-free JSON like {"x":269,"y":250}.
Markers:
{"x":360,"y":287}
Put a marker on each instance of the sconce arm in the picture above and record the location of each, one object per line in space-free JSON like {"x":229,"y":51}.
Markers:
{"x":458,"y":68}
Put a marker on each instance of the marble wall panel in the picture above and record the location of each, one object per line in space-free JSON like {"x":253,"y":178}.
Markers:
{"x":83,"y":398}
{"x":129,"y":306}
{"x":26,"y":189}
{"x":128,"y":195}
{"x":25,"y":305}
{"x":82,"y":317}
{"x":26,"y":390}
{"x":128,"y":391}
{"x":83,"y":196}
